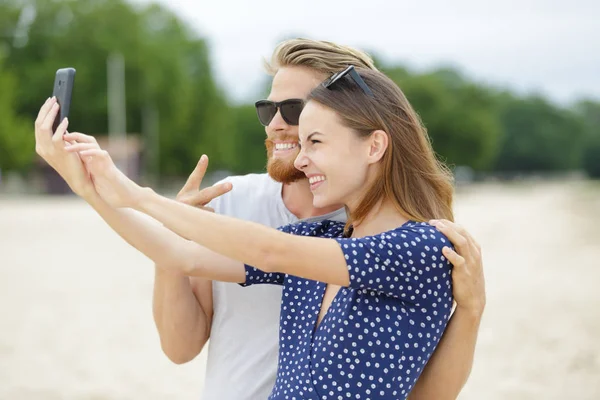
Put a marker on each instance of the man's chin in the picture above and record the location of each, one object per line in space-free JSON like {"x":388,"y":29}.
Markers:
{"x":283,"y":171}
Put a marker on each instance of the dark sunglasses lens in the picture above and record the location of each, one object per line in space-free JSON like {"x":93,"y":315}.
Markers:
{"x":290,"y":111}
{"x":266,"y":112}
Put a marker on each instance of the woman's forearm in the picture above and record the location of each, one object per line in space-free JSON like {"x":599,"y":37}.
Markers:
{"x":450,"y":365}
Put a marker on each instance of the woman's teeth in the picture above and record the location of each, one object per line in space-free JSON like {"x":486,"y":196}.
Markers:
{"x":315,"y":179}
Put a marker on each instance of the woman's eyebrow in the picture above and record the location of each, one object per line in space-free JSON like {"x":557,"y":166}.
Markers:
{"x":313,"y":134}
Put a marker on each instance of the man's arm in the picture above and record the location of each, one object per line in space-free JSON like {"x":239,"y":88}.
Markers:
{"x":182,"y":311}
{"x":450,"y":365}
{"x":182,"y":306}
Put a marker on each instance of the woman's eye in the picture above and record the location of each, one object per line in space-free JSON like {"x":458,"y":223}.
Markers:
{"x":314,"y":141}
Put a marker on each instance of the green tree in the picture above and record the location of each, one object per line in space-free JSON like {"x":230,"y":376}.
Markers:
{"x":539,"y":136}
{"x":589,"y":111}
{"x":166,"y":68}
{"x":249,"y":140}
{"x":16,"y":137}
{"x":461,"y":117}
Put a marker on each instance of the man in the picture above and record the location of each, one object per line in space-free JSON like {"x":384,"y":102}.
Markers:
{"x":242,"y":323}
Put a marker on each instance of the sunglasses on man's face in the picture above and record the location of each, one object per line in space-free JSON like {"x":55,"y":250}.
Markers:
{"x":290,"y":110}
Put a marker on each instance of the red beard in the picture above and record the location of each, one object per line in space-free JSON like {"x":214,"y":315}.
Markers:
{"x":282,"y":171}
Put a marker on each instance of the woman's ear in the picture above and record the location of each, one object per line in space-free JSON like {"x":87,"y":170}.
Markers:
{"x":379,"y":141}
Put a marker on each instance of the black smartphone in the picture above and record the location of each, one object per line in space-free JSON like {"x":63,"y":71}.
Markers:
{"x":63,"y":89}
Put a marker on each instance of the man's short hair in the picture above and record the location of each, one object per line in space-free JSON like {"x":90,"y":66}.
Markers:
{"x":319,"y":55}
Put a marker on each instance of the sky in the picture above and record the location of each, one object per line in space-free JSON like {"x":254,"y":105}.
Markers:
{"x":543,"y":46}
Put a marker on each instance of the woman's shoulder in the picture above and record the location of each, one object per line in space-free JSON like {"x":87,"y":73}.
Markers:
{"x":410,"y":234}
{"x":418,"y":234}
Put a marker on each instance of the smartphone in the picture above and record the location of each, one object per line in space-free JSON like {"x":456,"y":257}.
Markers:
{"x":63,"y":89}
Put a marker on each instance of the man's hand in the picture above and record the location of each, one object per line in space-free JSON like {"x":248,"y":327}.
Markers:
{"x":52,"y":148}
{"x":467,"y":275}
{"x":190,"y":193}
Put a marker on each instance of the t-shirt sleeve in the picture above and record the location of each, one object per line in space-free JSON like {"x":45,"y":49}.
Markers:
{"x":406,"y":263}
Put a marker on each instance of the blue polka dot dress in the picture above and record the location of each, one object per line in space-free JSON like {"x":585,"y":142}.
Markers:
{"x":379,"y":332}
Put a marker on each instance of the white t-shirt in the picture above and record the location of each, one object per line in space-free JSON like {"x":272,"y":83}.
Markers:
{"x":243,"y":345}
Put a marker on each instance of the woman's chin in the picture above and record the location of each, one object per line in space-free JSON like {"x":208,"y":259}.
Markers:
{"x":322,"y":202}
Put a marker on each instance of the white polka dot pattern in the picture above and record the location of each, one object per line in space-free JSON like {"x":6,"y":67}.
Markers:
{"x":377,"y":335}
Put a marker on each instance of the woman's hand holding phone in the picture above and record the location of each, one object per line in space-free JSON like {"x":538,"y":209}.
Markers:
{"x":51,"y":147}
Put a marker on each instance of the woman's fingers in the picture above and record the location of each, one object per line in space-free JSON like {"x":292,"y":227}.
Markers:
{"x":60,"y":131}
{"x":77,"y":147}
{"x":79,"y":137}
{"x":95,"y":152}
{"x":43,"y":112}
{"x":48,"y":121}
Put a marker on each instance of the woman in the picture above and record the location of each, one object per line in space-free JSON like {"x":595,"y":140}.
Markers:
{"x":365,"y":304}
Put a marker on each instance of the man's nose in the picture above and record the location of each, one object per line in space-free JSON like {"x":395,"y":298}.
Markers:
{"x":278,"y":123}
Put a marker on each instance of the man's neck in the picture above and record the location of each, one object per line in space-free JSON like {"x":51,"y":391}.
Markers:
{"x":298,"y":199}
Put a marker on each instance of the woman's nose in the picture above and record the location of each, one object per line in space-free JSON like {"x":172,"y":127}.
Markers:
{"x":301,"y":160}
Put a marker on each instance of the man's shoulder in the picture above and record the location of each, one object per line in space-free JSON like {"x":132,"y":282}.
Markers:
{"x":254,"y":181}
{"x":255,"y":197}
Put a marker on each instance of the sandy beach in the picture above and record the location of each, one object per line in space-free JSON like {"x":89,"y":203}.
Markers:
{"x":76,"y":317}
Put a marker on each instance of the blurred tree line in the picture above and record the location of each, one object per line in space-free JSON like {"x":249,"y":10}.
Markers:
{"x":168,"y":74}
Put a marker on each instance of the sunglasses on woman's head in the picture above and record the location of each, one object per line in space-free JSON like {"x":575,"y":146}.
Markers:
{"x":290,"y":110}
{"x":355,"y":77}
